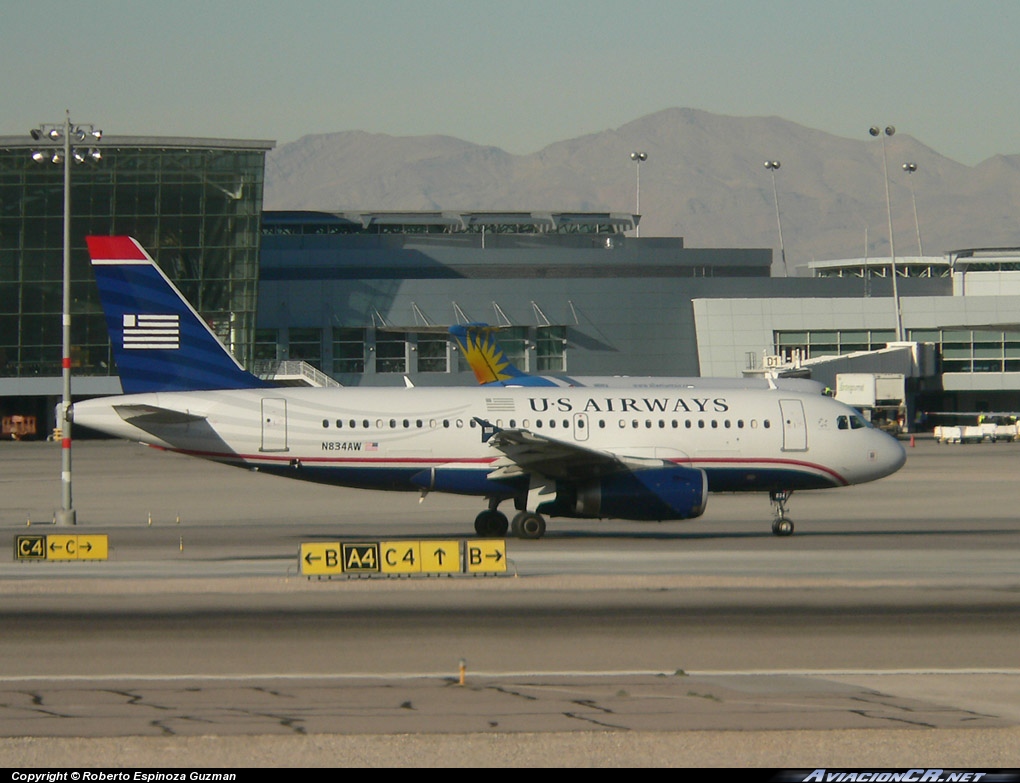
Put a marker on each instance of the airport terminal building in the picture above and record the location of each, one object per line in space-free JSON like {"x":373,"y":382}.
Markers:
{"x":365,"y":298}
{"x":194,"y":203}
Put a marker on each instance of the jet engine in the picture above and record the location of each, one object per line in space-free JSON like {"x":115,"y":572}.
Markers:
{"x":653,"y":494}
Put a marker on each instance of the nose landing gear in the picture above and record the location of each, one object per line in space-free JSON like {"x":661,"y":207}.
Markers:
{"x":781,"y":525}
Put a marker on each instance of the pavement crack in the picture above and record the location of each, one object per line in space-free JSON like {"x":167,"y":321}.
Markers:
{"x":893,"y":719}
{"x":590,"y":703}
{"x":509,"y":692}
{"x":137,"y":699}
{"x":594,"y":722}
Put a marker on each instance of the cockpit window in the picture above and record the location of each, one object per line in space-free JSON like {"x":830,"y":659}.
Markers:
{"x":852,"y":422}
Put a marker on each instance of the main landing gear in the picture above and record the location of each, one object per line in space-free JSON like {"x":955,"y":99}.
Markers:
{"x":781,"y":525}
{"x":492,"y":523}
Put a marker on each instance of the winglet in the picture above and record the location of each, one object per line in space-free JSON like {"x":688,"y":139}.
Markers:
{"x":160,"y":343}
{"x":489,"y":430}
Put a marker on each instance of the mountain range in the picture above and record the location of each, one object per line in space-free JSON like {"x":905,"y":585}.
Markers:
{"x":704,"y":180}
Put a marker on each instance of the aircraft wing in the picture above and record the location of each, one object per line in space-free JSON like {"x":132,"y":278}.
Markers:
{"x":529,"y":452}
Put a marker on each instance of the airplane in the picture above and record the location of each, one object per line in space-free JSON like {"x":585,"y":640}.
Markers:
{"x":492,"y":367}
{"x":643,"y":455}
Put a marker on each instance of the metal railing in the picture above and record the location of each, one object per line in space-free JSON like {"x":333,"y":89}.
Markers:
{"x":290,"y":370}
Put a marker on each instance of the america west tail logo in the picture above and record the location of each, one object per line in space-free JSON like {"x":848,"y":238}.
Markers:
{"x":160,"y":343}
{"x":488,"y":362}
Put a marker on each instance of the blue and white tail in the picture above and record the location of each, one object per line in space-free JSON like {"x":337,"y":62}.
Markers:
{"x":159,"y":342}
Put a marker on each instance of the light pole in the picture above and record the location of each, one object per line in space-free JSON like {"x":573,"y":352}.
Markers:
{"x":62,"y":135}
{"x":772,"y":165}
{"x":889,"y":131}
{"x":910,"y":168}
{"x":638,"y":158}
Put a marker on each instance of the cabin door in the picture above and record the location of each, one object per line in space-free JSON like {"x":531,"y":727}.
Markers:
{"x":274,"y":424}
{"x":794,"y":425}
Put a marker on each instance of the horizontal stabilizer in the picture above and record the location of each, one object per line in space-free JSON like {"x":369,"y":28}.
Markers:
{"x":140,"y":415}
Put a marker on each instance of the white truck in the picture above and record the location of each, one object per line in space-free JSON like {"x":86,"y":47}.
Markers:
{"x":880,"y":397}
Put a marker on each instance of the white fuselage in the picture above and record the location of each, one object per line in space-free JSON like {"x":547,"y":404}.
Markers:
{"x":374,"y":437}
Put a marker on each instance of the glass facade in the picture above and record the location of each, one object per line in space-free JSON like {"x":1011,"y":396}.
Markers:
{"x":959,"y":350}
{"x":831,"y":342}
{"x":195,"y":206}
{"x":973,"y":350}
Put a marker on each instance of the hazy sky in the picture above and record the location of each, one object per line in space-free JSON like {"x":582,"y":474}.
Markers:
{"x":516,"y":74}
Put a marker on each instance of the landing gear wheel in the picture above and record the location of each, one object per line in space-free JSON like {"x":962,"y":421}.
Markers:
{"x":529,"y":525}
{"x":491,"y":524}
{"x":781,"y":525}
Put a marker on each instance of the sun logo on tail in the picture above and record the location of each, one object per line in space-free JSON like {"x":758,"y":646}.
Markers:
{"x":485,"y":357}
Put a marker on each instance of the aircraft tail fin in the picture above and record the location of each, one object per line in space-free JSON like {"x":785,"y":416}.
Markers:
{"x":160,"y":343}
{"x":488,"y":361}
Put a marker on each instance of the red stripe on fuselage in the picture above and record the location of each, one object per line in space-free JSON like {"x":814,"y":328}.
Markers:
{"x":704,"y":463}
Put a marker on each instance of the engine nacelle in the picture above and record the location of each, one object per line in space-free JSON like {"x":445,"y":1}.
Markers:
{"x":653,"y":494}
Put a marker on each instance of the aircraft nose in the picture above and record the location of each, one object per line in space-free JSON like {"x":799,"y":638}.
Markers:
{"x":890,"y":455}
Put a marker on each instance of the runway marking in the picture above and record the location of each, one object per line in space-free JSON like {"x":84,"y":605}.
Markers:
{"x":513,"y":674}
